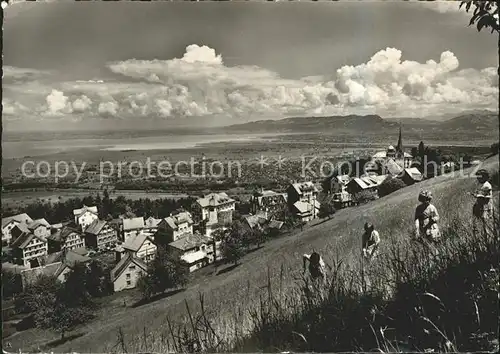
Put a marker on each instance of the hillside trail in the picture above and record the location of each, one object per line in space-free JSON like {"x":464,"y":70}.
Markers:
{"x":236,"y":291}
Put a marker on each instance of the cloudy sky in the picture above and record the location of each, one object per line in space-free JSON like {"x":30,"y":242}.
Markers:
{"x":132,"y":62}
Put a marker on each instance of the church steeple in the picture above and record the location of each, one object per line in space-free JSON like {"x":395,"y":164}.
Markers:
{"x":399,"y":147}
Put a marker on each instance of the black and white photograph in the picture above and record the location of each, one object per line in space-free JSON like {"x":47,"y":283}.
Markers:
{"x":250,"y":176}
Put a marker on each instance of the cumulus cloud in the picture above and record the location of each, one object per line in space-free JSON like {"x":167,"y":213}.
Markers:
{"x":108,"y":109}
{"x":58,"y":104}
{"x":199,"y":84}
{"x":12,"y":108}
{"x":81,"y":104}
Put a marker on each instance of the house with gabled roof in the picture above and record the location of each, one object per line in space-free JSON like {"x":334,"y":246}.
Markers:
{"x":131,"y":226}
{"x":195,"y":249}
{"x":141,"y":246}
{"x":28,"y":248}
{"x":151,"y":225}
{"x":411,"y":176}
{"x":85,"y":216}
{"x":101,"y":235}
{"x":268,"y":201}
{"x":58,"y":265}
{"x":10,"y":222}
{"x":39,"y":227}
{"x":127,"y":272}
{"x":211,"y":203}
{"x":67,"y":238}
{"x":256,"y":222}
{"x":369,"y":184}
{"x":174,"y":227}
{"x":303,"y":200}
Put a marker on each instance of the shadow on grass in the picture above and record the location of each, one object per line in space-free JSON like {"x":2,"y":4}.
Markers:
{"x":156,"y":297}
{"x":228,"y":269}
{"x":321,"y":222}
{"x":255,"y":249}
{"x":60,"y":341}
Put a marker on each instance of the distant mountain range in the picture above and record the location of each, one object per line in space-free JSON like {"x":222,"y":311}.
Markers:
{"x":314,"y":124}
{"x":486,"y":121}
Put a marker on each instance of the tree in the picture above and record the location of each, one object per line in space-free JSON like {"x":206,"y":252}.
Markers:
{"x":232,"y":247}
{"x":165,"y":272}
{"x":217,"y":236}
{"x":255,"y":237}
{"x":11,"y":284}
{"x":421,"y":150}
{"x":414,"y":152}
{"x":389,"y":186}
{"x":58,"y":306}
{"x":98,"y":279}
{"x":326,"y":210}
{"x":494,"y":148}
{"x":485,"y":14}
{"x":145,"y":286}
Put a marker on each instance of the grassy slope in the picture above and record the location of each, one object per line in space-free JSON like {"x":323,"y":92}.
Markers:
{"x":338,"y":237}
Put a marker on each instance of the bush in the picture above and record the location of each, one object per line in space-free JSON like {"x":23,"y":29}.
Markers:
{"x":326,"y":210}
{"x":494,"y":148}
{"x":365,"y":196}
{"x":389,"y":186}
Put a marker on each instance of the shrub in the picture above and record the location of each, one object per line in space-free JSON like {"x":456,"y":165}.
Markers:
{"x":389,"y":186}
{"x":326,"y":210}
{"x":365,"y":196}
{"x":494,"y":148}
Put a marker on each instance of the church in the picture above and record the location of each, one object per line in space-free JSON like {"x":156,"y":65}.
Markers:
{"x":395,"y":155}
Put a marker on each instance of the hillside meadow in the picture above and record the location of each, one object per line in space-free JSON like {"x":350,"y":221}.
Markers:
{"x":229,"y":297}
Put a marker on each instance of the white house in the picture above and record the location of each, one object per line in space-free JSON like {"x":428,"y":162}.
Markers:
{"x":303,"y":200}
{"x":28,"y":248}
{"x":151,"y":225}
{"x":85,"y":216}
{"x":132,"y":226}
{"x":127,"y":272}
{"x":40,"y":228}
{"x":195,"y":249}
{"x":215,"y":202}
{"x":10,"y":222}
{"x":173,"y":227}
{"x":140,"y":246}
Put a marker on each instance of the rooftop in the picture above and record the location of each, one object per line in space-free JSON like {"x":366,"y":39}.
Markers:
{"x":214,"y":199}
{"x":78,"y":212}
{"x":24,"y":239}
{"x":133,"y":224}
{"x":135,"y":242}
{"x":369,"y":181}
{"x":20,"y":218}
{"x":174,"y":221}
{"x":38,"y":222}
{"x":62,"y":234}
{"x":123,"y":264}
{"x":304,"y":187}
{"x":190,"y":241}
{"x":95,"y":227}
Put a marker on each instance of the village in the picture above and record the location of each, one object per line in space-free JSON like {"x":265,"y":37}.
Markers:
{"x":195,"y":236}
